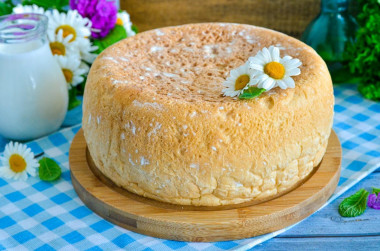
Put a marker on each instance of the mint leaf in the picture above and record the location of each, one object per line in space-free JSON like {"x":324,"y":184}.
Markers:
{"x":354,"y":205}
{"x":49,"y":169}
{"x":251,"y":92}
{"x":118,"y":33}
{"x":376,"y":190}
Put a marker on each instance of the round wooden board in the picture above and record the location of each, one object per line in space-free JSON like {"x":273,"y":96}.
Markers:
{"x":163,"y":220}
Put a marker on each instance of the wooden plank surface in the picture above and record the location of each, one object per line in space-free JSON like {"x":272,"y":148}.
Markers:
{"x":328,"y":222}
{"x":358,"y":243}
{"x":327,"y":230}
{"x":143,"y":216}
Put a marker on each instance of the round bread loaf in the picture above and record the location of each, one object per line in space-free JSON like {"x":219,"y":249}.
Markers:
{"x":156,"y":123}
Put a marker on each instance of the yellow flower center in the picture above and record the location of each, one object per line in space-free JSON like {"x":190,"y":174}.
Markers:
{"x":241,"y":82}
{"x":17,"y":163}
{"x":68,"y":75}
{"x":274,"y":70}
{"x":57,"y":48}
{"x":119,"y":21}
{"x":67,"y":30}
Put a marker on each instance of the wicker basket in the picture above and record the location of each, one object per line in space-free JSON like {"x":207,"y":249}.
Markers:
{"x":288,"y":16}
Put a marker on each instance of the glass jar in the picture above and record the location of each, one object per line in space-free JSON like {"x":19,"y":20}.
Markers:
{"x":33,"y":90}
{"x":329,"y":34}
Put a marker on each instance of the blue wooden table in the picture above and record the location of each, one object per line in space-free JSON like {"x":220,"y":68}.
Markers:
{"x":327,"y":230}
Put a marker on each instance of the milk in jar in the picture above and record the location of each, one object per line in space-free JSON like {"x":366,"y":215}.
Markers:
{"x":33,"y":90}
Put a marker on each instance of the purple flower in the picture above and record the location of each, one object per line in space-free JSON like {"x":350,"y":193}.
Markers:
{"x":73,"y":4}
{"x":101,"y":26}
{"x":105,"y":9}
{"x":374,"y":201}
{"x":102,"y":13}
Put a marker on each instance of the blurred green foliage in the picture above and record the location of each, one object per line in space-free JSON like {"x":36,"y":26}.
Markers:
{"x":364,"y":54}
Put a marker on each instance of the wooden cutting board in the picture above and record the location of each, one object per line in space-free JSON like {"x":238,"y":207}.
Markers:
{"x":172,"y":222}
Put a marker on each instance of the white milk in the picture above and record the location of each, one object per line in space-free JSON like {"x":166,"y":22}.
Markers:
{"x":33,"y":91}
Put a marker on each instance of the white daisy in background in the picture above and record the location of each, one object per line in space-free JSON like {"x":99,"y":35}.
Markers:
{"x":124,"y":20}
{"x":239,"y":80}
{"x":71,"y":23}
{"x":272,"y":70}
{"x":18,"y":161}
{"x":28,"y":9}
{"x":86,"y":49}
{"x":84,"y":66}
{"x":73,"y":69}
{"x":61,"y":46}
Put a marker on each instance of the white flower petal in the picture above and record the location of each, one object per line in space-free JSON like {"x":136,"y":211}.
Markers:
{"x":275,"y":53}
{"x":28,"y":156}
{"x":268,"y":84}
{"x":266,"y":54}
{"x":293,"y":72}
{"x":127,"y":24}
{"x":262,"y":77}
{"x":281,"y":84}
{"x":257,"y":67}
{"x":28,"y":9}
{"x":231,"y":79}
{"x":23,"y":176}
{"x":289,"y":82}
{"x":291,"y":63}
{"x":257,"y":75}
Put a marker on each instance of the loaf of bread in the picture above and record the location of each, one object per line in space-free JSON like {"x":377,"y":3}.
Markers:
{"x":156,"y":122}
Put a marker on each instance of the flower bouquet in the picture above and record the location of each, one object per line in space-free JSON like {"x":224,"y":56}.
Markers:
{"x":78,"y":30}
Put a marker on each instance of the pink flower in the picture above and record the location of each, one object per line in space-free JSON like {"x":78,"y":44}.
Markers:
{"x":374,"y":201}
{"x":102,"y":13}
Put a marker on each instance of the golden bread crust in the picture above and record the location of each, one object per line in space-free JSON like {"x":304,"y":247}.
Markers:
{"x":156,"y":124}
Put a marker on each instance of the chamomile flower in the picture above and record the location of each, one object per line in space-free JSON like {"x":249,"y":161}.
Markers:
{"x":71,"y":23}
{"x":86,"y":49}
{"x":239,"y":80}
{"x":272,"y":70}
{"x":73,"y":69}
{"x":124,"y":20}
{"x":18,"y":161}
{"x":61,"y":46}
{"x":28,"y":9}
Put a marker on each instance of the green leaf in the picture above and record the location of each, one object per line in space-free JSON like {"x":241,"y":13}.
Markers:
{"x":135,"y":29}
{"x":49,"y":169}
{"x":251,"y":92}
{"x":48,"y":4}
{"x":363,"y":55}
{"x":118,"y":33}
{"x":376,"y":190}
{"x":5,"y":9}
{"x":80,"y":88}
{"x":73,"y":100}
{"x":354,"y":205}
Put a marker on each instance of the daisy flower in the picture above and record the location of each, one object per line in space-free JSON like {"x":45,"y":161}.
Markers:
{"x":18,"y":161}
{"x":124,"y":20}
{"x":71,"y":23}
{"x":239,"y":80}
{"x":61,"y":45}
{"x":28,"y":9}
{"x":86,"y":49}
{"x":72,"y":69}
{"x":272,"y":70}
